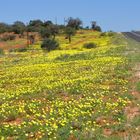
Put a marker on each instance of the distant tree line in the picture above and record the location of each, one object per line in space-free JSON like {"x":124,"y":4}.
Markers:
{"x":19,"y":27}
{"x":47,"y":29}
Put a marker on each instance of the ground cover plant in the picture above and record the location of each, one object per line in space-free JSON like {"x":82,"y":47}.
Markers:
{"x":70,"y":93}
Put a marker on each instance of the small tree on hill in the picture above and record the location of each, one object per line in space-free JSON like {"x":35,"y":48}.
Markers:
{"x":74,"y":23}
{"x":45,"y":32}
{"x":69,"y":33}
{"x":47,"y":23}
{"x":4,"y":28}
{"x":98,"y":28}
{"x":54,"y":30}
{"x":95,"y":27}
{"x":35,"y":25}
{"x":18,"y":27}
{"x":31,"y":39}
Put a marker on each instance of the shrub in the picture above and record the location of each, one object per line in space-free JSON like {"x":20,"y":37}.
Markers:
{"x":63,"y":57}
{"x":12,"y":50}
{"x":7,"y":37}
{"x":4,"y":38}
{"x":98,"y":28}
{"x":110,"y":34}
{"x":12,"y":37}
{"x":103,"y":34}
{"x":89,"y":45}
{"x":21,"y":49}
{"x":49,"y":44}
{"x":1,"y":51}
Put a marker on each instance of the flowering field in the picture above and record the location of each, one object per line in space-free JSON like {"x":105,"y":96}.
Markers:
{"x":69,"y":94}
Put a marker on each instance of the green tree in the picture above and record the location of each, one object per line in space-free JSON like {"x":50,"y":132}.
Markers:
{"x":18,"y":27}
{"x":93,"y":24}
{"x":4,"y":27}
{"x":98,"y":28}
{"x":45,"y":32}
{"x":35,"y":25}
{"x":54,"y":29}
{"x":74,"y":23}
{"x":69,"y":33}
{"x":48,"y":23}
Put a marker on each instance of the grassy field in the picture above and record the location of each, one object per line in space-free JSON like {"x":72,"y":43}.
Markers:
{"x":68,"y":94}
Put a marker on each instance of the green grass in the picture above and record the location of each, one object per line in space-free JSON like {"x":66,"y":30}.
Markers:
{"x":71,"y":92}
{"x":138,"y":86}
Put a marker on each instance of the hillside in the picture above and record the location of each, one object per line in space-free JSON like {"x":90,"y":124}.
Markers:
{"x":72,"y":93}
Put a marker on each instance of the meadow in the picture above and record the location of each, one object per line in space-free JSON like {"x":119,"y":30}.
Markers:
{"x":71,"y":93}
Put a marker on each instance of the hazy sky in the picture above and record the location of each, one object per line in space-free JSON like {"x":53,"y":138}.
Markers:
{"x":116,"y":15}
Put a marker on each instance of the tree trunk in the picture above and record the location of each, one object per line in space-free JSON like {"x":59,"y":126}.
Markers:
{"x":54,"y":37}
{"x":69,"y":39}
{"x":28,"y":39}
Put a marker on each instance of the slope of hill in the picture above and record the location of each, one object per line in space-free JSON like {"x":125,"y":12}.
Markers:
{"x":71,"y":93}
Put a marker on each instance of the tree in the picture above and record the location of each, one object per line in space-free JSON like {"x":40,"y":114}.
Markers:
{"x":98,"y":28}
{"x":31,"y":39}
{"x":93,"y":24}
{"x":74,"y":23}
{"x":60,"y":29}
{"x":70,"y":32}
{"x":35,"y":25}
{"x":4,"y":28}
{"x":95,"y":27}
{"x":49,"y":44}
{"x":87,"y":27}
{"x":54,"y":30}
{"x":18,"y":27}
{"x":45,"y":32}
{"x":48,"y":23}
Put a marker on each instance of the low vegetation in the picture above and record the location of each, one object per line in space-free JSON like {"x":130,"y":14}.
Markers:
{"x":7,"y":37}
{"x":90,"y":45}
{"x":138,"y":86}
{"x":1,"y":51}
{"x":80,"y":90}
{"x":49,"y":44}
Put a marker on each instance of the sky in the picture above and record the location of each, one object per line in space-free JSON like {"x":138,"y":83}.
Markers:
{"x":115,"y":15}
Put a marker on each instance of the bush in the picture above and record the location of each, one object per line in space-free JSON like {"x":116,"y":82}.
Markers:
{"x":7,"y":37}
{"x":12,"y":37}
{"x":63,"y":57}
{"x":49,"y":44}
{"x":1,"y":51}
{"x":103,"y":34}
{"x":11,"y":50}
{"x":89,"y":45}
{"x":110,"y":34}
{"x":23,"y":49}
{"x":98,"y":28}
